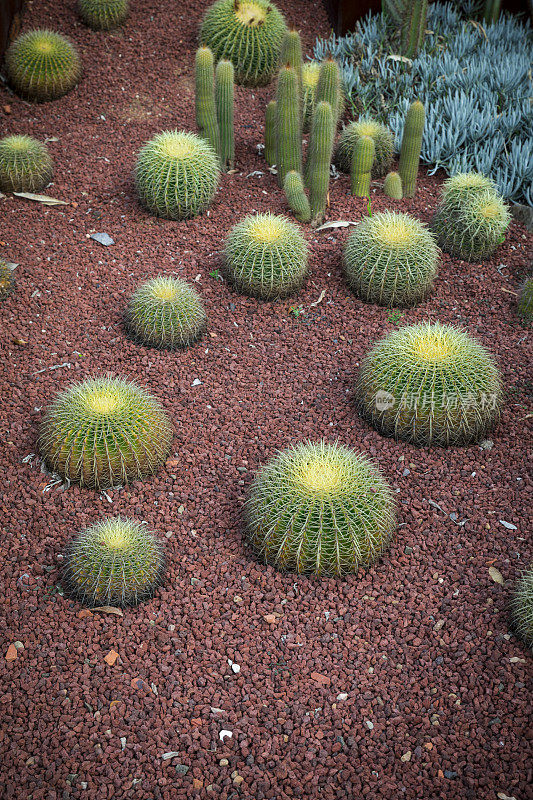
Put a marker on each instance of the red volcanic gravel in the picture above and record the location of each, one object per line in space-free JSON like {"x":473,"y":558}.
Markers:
{"x":404,"y":681}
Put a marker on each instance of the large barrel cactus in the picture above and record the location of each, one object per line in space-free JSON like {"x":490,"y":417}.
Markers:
{"x":266,"y":256}
{"x":249,"y":33}
{"x":391,"y":259}
{"x":383,"y":144}
{"x":103,"y":14}
{"x":177,"y":174}
{"x":430,"y":384}
{"x":25,"y":164}
{"x":165,"y":313}
{"x":522,"y":607}
{"x":42,"y":65}
{"x":319,"y":509}
{"x":116,"y":562}
{"x":105,"y":432}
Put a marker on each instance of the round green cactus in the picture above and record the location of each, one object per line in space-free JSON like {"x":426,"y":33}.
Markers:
{"x":525,"y":300}
{"x":383,"y":143}
{"x":320,"y":509}
{"x":522,"y":608}
{"x":391,"y":259}
{"x":105,"y":432}
{"x":177,"y":174}
{"x":310,"y":73}
{"x":474,"y":229}
{"x":117,"y":562}
{"x":465,"y":186}
{"x":103,"y":14}
{"x":166,"y":313}
{"x":266,"y":256}
{"x":430,"y":384}
{"x":7,"y":280}
{"x":25,"y":164}
{"x":42,"y":65}
{"x":249,"y":33}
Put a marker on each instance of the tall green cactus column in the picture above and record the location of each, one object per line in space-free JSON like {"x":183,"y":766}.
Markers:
{"x":329,"y":88}
{"x":362,"y":160}
{"x":291,"y":54}
{"x":319,"y":159}
{"x":413,"y":27}
{"x":411,"y":147}
{"x":206,"y":115}
{"x":224,"y":100}
{"x":271,"y":137}
{"x":289,"y":131}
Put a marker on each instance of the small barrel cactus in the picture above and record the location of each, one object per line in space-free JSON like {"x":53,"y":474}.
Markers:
{"x":383,"y":144}
{"x":177,"y":174}
{"x":7,"y":280}
{"x":271,"y":137}
{"x":289,"y":134}
{"x":249,"y":33}
{"x":411,"y":146}
{"x":392,"y":186}
{"x":391,"y":259}
{"x":116,"y":562}
{"x":266,"y":256}
{"x":296,"y":197}
{"x":310,"y":73}
{"x":224,"y":96}
{"x":320,"y":509}
{"x":464,"y":187}
{"x":319,"y":160}
{"x":105,"y":432}
{"x":473,"y":230}
{"x":362,"y":160}
{"x":166,"y":313}
{"x":204,"y":97}
{"x":430,"y":384}
{"x":522,"y":608}
{"x":102,"y":15}
{"x":25,"y":164}
{"x":42,"y":65}
{"x":525,"y":300}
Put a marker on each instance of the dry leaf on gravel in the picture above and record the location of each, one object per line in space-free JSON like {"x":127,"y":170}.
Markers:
{"x":338,"y":223}
{"x":109,"y":610}
{"x":41,"y":198}
{"x":496,"y":575}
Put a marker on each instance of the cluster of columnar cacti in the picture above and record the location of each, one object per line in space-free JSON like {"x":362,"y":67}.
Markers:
{"x":214,"y":104}
{"x":288,"y":123}
{"x":430,"y":384}
{"x":411,"y":147}
{"x":320,"y":509}
{"x":116,"y":562}
{"x":7,"y":280}
{"x":391,"y":259}
{"x":249,"y":33}
{"x":472,"y":217}
{"x":103,"y":14}
{"x":381,"y":137}
{"x":105,"y":432}
{"x":25,"y":164}
{"x":42,"y":65}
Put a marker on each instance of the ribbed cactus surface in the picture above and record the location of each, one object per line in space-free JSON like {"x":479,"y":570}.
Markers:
{"x":319,"y":159}
{"x":474,"y":229}
{"x":7,"y":280}
{"x":411,"y":147}
{"x":271,"y":137}
{"x":383,"y":144}
{"x":392,"y":186}
{"x":291,"y":54}
{"x":310,"y":75}
{"x":249,"y":33}
{"x":362,"y":160}
{"x":42,"y":65}
{"x":206,"y":114}
{"x":103,"y":14}
{"x":413,"y":27}
{"x":319,"y":508}
{"x":329,"y":89}
{"x":288,"y":124}
{"x":525,"y":300}
{"x":296,"y":196}
{"x":25,"y":164}
{"x":522,"y":607}
{"x":224,"y":97}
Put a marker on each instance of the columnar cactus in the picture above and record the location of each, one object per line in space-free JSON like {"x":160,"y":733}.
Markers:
{"x":395,"y":10}
{"x":522,"y":608}
{"x":271,"y":138}
{"x":296,"y":197}
{"x":391,"y":259}
{"x":116,"y":562}
{"x":291,"y":54}
{"x":383,"y":144}
{"x":525,"y":300}
{"x":177,"y":174}
{"x":42,"y":65}
{"x":310,"y":74}
{"x":206,"y":113}
{"x":413,"y":27}
{"x":166,"y":313}
{"x":362,"y":160}
{"x":319,"y":159}
{"x":224,"y":95}
{"x":289,"y":132}
{"x":392,"y":186}
{"x":491,"y":11}
{"x":25,"y":164}
{"x":430,"y":384}
{"x":266,"y":256}
{"x":105,"y":432}
{"x":411,"y":147}
{"x":249,"y":33}
{"x":474,"y":230}
{"x":319,"y":509}
{"x":7,"y":280}
{"x":103,"y":14}
{"x":329,"y":89}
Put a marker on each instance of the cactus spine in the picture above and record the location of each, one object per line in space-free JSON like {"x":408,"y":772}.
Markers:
{"x":393,"y":186}
{"x":224,"y":91}
{"x":329,"y":89}
{"x":296,"y":197}
{"x":289,"y":134}
{"x":362,"y":160}
{"x":319,"y":159}
{"x":413,"y":27}
{"x":206,"y":117}
{"x":271,"y":140}
{"x":411,"y":147}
